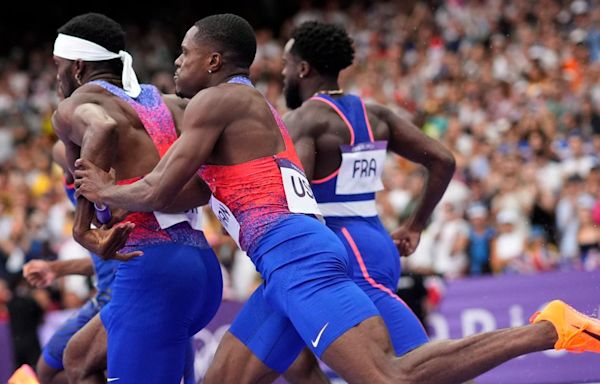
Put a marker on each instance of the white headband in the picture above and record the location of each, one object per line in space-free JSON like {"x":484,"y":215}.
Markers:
{"x":75,"y":48}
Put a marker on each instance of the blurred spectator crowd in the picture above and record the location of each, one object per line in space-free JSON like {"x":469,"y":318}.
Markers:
{"x":511,"y":87}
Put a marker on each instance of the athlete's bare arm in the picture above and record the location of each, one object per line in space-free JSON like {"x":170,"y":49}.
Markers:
{"x":60,"y":157}
{"x":195,"y":193}
{"x":41,"y":273}
{"x":406,"y":140}
{"x":89,"y":132}
{"x":206,"y":116}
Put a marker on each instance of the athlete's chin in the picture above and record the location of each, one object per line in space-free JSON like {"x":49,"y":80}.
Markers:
{"x":181,"y":92}
{"x":292,"y":102}
{"x":291,"y":92}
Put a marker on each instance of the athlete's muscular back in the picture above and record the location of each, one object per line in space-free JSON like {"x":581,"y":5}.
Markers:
{"x":316,"y":128}
{"x":130,"y":150}
{"x":98,"y":126}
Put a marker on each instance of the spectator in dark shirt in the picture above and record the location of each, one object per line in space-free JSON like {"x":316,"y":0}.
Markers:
{"x":25,"y":316}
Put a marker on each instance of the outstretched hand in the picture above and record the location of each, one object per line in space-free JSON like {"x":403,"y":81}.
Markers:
{"x":111,"y":240}
{"x":406,"y":240}
{"x":38,"y":273}
{"x":91,"y":181}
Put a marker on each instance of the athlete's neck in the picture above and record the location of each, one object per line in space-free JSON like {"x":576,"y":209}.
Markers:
{"x":224,"y":76}
{"x":317,"y":85}
{"x":244,"y":74}
{"x":105,"y":76}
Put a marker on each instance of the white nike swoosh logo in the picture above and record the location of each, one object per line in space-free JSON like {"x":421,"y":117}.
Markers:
{"x":110,"y":379}
{"x":315,"y":342}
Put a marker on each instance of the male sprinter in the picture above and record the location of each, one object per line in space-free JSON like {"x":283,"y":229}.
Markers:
{"x":90,"y":359}
{"x":165,"y":296}
{"x":241,"y":148}
{"x":342,"y":145}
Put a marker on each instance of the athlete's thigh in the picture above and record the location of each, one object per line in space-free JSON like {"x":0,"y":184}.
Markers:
{"x":314,"y":290}
{"x":375,"y":269}
{"x":156,"y":307}
{"x":86,"y":351}
{"x":189,"y":376}
{"x":371,"y":252}
{"x":143,"y":351}
{"x":54,"y":350}
{"x":405,"y":329}
{"x":266,"y":333}
{"x":235,"y":363}
{"x":369,"y":366}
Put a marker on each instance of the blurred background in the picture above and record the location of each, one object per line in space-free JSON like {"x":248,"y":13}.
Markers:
{"x":511,"y":87}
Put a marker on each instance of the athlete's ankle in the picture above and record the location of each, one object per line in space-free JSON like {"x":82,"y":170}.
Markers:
{"x":547,"y":333}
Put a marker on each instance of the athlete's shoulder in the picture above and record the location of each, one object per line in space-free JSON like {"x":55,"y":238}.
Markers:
{"x":90,"y":91}
{"x":209,"y":107}
{"x":86,"y":94}
{"x":216,"y":93}
{"x":221,"y":100}
{"x":376,"y":109}
{"x":311,"y":111}
{"x":310,"y":119}
{"x":63,"y":114}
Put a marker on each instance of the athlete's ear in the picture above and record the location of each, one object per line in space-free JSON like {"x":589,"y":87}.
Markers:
{"x":303,"y":69}
{"x":215,"y":62}
{"x":78,"y":70}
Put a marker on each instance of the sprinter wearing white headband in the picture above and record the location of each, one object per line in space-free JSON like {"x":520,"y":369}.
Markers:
{"x":80,"y":50}
{"x":159,"y":301}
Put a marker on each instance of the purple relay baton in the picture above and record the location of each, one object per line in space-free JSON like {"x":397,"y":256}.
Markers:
{"x":102,"y":213}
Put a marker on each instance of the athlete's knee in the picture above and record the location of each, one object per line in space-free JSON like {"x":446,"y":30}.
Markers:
{"x":408,"y":369}
{"x":380,"y":336}
{"x":234,"y":363}
{"x":401,"y":373}
{"x":305,"y":369}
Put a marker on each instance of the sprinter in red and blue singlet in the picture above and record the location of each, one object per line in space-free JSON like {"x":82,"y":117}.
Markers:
{"x":272,"y":206}
{"x":163,"y":297}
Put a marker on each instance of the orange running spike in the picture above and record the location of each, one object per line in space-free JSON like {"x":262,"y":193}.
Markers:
{"x":576,"y":331}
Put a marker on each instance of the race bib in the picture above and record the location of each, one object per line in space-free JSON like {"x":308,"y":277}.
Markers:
{"x":226,"y":218}
{"x":361,"y":168}
{"x":192,"y":216}
{"x":299,"y":195}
